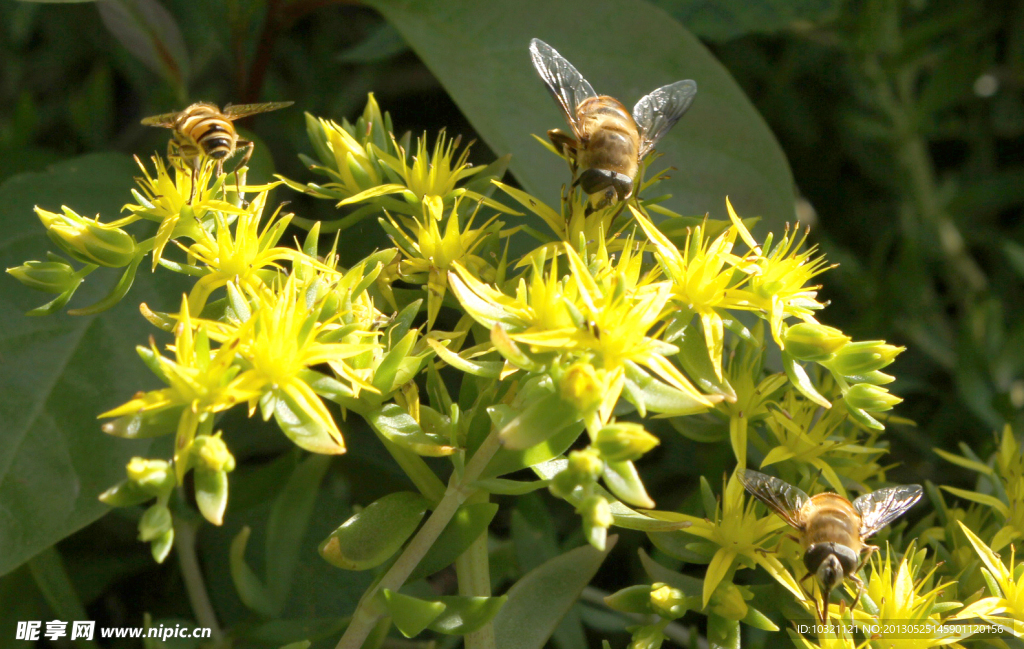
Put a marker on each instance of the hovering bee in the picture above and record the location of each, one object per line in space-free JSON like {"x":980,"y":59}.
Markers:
{"x":833,"y":530}
{"x":607,"y":142}
{"x":202,"y":129}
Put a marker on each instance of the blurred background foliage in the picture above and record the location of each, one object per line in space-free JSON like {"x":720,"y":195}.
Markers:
{"x":903,"y":124}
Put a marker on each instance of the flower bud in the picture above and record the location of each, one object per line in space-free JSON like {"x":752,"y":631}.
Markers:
{"x":88,"y":241}
{"x":728,"y":602}
{"x":209,"y":452}
{"x":46,"y":276}
{"x":155,"y":476}
{"x":624,"y":441}
{"x":632,"y":599}
{"x":668,"y":602}
{"x":870,"y":398}
{"x":863,"y":357}
{"x":813,"y":342}
{"x":581,"y":387}
{"x":586,"y":464}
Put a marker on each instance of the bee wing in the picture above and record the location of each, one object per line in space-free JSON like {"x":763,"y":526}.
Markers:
{"x":879,"y":508}
{"x":781,"y":497}
{"x":166,"y":120}
{"x":658,"y":112}
{"x":244,"y":110}
{"x":566,"y":85}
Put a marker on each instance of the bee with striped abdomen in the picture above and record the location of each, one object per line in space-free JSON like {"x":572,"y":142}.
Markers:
{"x":607,"y":143}
{"x":202,"y":129}
{"x":832,"y":530}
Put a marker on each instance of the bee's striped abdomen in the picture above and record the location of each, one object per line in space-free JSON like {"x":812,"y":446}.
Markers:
{"x":209,"y":129}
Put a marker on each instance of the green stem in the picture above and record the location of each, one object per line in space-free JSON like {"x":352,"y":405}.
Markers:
{"x":474,"y":572}
{"x":421,"y":475}
{"x":369,"y":609}
{"x":195,"y":586}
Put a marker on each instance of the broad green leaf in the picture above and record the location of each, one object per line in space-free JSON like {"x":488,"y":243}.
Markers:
{"x":464,"y":614}
{"x":691,"y":586}
{"x":508,"y":461}
{"x":626,"y":49}
{"x":410,"y":614}
{"x":62,"y":371}
{"x":370,"y":537}
{"x":147,"y":30}
{"x":399,"y":427}
{"x":53,"y":581}
{"x":465,"y":527}
{"x":727,"y":19}
{"x":538,"y":601}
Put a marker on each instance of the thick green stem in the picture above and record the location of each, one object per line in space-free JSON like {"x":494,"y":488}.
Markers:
{"x":474,"y":572}
{"x":195,"y":586}
{"x":369,"y":609}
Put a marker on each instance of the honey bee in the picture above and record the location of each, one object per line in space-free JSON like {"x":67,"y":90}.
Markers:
{"x":832,"y":530}
{"x":202,"y":129}
{"x":607,"y":142}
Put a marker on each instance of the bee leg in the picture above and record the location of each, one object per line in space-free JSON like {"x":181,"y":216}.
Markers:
{"x":825,"y":593}
{"x":240,"y":176}
{"x":860,"y":589}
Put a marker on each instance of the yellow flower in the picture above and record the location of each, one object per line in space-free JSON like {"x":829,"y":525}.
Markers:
{"x":427,"y":255}
{"x":706,"y":277}
{"x":1006,"y":605}
{"x":201,"y":382}
{"x":181,"y":209}
{"x":241,"y":257}
{"x":603,"y":313}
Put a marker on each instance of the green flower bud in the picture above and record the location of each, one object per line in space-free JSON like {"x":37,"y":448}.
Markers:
{"x":668,"y":602}
{"x":563,"y":484}
{"x":728,"y":601}
{"x":597,"y":511}
{"x":155,"y":476}
{"x":646,"y":637}
{"x":209,"y":452}
{"x":46,"y":276}
{"x":864,"y":357}
{"x":586,"y":464}
{"x":870,"y":398}
{"x":624,"y":441}
{"x":581,"y":387}
{"x":88,"y":241}
{"x":156,"y":522}
{"x":813,"y":342}
{"x":632,"y":599}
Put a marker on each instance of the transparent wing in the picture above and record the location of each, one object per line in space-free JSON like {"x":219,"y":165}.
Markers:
{"x":879,"y":508}
{"x":244,"y":110}
{"x":781,"y":497}
{"x":658,"y":112}
{"x":166,"y":120}
{"x":566,"y":85}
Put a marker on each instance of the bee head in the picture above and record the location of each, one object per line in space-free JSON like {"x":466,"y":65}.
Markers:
{"x":830,"y":562}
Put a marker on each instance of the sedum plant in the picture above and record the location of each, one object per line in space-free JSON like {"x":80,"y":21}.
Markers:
{"x":488,"y":375}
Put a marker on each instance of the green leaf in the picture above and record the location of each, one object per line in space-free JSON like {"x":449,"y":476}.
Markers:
{"x":691,"y":586}
{"x":250,"y":589}
{"x":410,"y":614}
{"x":53,"y":581}
{"x":538,"y":601}
{"x":802,"y":381}
{"x":211,"y":494}
{"x":147,"y":30}
{"x":289,"y":520}
{"x":465,"y":527}
{"x":463,"y":614}
{"x":508,"y":461}
{"x":722,"y":147}
{"x":399,"y":427}
{"x":540,"y":421}
{"x":61,"y":371}
{"x":648,"y":393}
{"x":727,"y":19}
{"x":723,"y":633}
{"x":370,"y":537}
{"x":503,"y":487}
